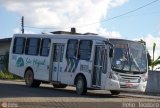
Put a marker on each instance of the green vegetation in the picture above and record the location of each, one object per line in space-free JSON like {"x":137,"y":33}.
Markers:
{"x":7,"y":75}
{"x":5,"y":62}
{"x":154,"y":62}
{"x":4,"y":74}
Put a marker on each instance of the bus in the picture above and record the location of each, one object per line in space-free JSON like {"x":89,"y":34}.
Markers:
{"x":83,"y":61}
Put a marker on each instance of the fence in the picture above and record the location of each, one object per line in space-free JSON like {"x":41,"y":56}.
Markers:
{"x":153,"y":84}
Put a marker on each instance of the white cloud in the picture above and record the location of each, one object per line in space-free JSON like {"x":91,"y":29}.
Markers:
{"x":64,"y":13}
{"x":109,"y":34}
{"x":18,"y":30}
{"x":150,"y":39}
{"x":118,"y":3}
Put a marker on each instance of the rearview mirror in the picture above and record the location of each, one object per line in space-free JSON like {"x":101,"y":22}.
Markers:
{"x":149,"y":59}
{"x":111,"y":52}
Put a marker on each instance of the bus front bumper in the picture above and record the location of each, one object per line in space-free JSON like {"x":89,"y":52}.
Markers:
{"x":124,"y":86}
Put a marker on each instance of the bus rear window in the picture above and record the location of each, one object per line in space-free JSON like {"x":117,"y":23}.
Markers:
{"x":18,"y":46}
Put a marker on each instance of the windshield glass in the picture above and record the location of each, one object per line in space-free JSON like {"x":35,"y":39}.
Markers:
{"x":129,"y":56}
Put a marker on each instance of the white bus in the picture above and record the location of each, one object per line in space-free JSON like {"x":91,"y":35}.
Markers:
{"x":84,"y":61}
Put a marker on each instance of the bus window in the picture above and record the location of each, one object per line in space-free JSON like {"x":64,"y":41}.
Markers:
{"x":45,"y":47}
{"x":85,"y":49}
{"x":18,"y":46}
{"x":32,"y":46}
{"x":72,"y":48}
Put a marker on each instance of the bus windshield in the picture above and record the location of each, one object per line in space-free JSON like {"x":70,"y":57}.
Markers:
{"x":129,"y":56}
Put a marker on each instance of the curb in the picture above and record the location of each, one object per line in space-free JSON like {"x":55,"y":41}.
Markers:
{"x":141,"y":96}
{"x":17,"y":80}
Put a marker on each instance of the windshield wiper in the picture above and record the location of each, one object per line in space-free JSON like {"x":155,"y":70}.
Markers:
{"x":136,"y":72}
{"x":119,"y":70}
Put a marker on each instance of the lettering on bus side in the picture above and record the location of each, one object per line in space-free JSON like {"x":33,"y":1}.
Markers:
{"x":20,"y":62}
{"x":35,"y":62}
{"x":84,"y":68}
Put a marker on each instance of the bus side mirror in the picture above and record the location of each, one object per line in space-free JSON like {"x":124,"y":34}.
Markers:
{"x":111,"y":52}
{"x":149,"y":59}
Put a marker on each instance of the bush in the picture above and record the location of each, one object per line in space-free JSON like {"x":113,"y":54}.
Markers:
{"x":7,"y":75}
{"x":5,"y":62}
{"x":4,"y":74}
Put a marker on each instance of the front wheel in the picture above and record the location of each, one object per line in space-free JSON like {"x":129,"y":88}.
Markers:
{"x":114,"y":92}
{"x":81,"y":85}
{"x":29,"y":79}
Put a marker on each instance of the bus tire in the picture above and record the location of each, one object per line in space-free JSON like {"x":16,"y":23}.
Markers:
{"x":59,"y":85}
{"x":29,"y":79}
{"x":81,"y":85}
{"x":114,"y":92}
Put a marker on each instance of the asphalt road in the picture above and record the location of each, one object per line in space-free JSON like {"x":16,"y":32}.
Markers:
{"x":16,"y":94}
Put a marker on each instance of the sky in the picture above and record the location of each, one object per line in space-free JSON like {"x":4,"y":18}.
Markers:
{"x":86,"y":16}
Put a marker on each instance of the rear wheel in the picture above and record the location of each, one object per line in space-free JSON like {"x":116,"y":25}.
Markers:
{"x":59,"y":85}
{"x":114,"y":92}
{"x":29,"y":79}
{"x":81,"y":85}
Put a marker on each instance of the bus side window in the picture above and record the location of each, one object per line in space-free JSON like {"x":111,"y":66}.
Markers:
{"x":32,"y":46}
{"x":72,"y":48}
{"x":85,"y":49}
{"x":45,"y":47}
{"x":18,"y":46}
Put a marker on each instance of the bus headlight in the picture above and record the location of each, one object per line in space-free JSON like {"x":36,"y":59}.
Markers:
{"x":112,"y":76}
{"x":144,"y":78}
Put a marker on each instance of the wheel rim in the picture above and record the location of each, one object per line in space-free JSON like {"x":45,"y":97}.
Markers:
{"x":29,"y":77}
{"x":79,"y":84}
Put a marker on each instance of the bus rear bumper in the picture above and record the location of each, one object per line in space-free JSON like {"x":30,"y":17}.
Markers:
{"x":119,"y":86}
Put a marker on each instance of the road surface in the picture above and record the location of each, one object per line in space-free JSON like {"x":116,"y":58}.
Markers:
{"x":16,"y":94}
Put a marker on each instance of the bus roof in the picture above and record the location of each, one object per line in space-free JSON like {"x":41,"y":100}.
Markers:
{"x":71,"y":36}
{"x":63,"y":36}
{"x":114,"y":39}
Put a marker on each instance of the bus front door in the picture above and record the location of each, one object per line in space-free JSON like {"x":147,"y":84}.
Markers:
{"x":58,"y":51}
{"x":100,"y":65}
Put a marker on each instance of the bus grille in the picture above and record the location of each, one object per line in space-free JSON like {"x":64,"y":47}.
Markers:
{"x":129,"y":78}
{"x":125,"y":86}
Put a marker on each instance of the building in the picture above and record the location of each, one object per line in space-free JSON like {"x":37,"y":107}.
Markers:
{"x":4,"y":48}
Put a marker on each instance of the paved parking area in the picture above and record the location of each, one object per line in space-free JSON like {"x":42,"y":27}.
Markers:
{"x":16,"y":93}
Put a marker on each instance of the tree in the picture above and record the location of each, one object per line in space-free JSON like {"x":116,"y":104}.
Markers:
{"x":148,"y":55}
{"x":5,"y":61}
{"x":154,"y":62}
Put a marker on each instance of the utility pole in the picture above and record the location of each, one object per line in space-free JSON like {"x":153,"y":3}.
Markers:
{"x":22,"y":25}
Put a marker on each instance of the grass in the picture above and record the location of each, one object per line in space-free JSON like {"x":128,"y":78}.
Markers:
{"x":8,"y":76}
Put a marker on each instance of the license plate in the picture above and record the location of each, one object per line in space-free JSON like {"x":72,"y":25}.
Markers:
{"x":134,"y":81}
{"x":129,"y":85}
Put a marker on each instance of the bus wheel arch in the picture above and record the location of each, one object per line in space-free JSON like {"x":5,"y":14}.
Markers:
{"x":81,"y":84}
{"x":28,"y":68}
{"x":29,"y":78}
